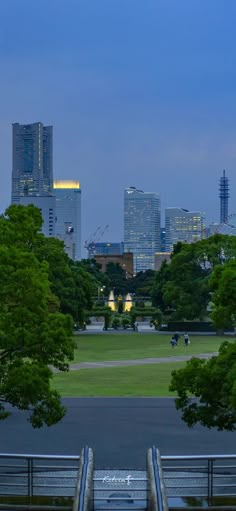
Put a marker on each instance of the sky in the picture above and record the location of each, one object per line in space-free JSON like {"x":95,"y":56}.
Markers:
{"x":139,"y":92}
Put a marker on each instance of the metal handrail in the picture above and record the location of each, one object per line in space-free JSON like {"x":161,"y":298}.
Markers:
{"x":199,"y":457}
{"x":40,"y":456}
{"x":209,"y":480}
{"x":83,"y":480}
{"x":40,"y":474}
{"x":84,"y":487}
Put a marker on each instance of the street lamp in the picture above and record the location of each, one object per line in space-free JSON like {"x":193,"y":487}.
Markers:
{"x":100,"y":290}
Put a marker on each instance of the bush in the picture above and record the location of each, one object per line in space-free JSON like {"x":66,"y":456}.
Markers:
{"x":115,"y":323}
{"x":125,"y":322}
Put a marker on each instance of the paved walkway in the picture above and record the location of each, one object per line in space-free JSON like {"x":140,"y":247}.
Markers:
{"x":136,"y":362}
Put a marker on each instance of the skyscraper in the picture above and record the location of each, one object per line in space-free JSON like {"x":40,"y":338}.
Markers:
{"x":32,"y":165}
{"x":142,"y":227}
{"x":224,"y":198}
{"x":47,"y":206}
{"x":68,"y":216}
{"x":183,"y":225}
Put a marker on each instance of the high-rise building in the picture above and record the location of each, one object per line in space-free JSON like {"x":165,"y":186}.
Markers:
{"x":142,"y":227}
{"x":68,"y":216}
{"x":224,"y":198}
{"x":47,"y":206}
{"x":183,"y":225}
{"x":163,"y":239}
{"x":32,"y":165}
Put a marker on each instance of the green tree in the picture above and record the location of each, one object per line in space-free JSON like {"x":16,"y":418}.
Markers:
{"x":183,"y":286}
{"x":161,"y":280}
{"x":117,"y":278}
{"x":20,"y":226}
{"x":70,"y":282}
{"x":206,"y":390}
{"x":223,"y":287}
{"x":73,"y":283}
{"x":32,"y":337}
{"x":142,"y":283}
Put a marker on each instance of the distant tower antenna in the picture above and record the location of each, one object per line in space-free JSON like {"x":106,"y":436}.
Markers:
{"x":224,"y":198}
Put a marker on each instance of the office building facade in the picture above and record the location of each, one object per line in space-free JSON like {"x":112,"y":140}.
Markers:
{"x":183,"y":225}
{"x":68,"y":216}
{"x":105,"y":248}
{"x":32,"y":161}
{"x":163,"y":239}
{"x":47,"y":206}
{"x":142,"y":227}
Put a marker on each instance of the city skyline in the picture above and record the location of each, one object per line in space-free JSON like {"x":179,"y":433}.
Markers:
{"x":145,"y":98}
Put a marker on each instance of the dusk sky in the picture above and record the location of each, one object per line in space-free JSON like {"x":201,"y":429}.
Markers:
{"x":139,"y":92}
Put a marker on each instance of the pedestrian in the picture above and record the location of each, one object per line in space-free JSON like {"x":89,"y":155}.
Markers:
{"x":176,"y":337}
{"x":173,"y":342}
{"x":186,"y":339}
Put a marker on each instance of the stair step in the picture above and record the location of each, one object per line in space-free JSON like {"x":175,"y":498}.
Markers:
{"x":124,"y":490}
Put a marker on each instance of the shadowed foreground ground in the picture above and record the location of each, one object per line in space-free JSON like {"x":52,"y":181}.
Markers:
{"x":119,"y":429}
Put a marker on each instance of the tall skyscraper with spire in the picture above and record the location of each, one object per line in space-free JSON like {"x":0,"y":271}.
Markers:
{"x":32,"y":161}
{"x":224,"y":198}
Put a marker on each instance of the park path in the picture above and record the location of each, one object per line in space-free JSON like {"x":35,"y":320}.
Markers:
{"x":136,"y":362}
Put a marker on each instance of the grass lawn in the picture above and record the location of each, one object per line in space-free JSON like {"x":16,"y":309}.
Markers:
{"x":92,"y":348}
{"x":133,"y":381}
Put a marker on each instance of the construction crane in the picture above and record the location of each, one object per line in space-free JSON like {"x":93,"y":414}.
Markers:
{"x":90,"y":244}
{"x":92,"y":237}
{"x":102,"y":233}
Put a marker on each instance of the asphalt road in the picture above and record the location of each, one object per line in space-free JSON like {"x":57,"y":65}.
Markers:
{"x":120,"y":430}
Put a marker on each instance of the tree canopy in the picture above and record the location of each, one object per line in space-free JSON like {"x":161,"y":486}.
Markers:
{"x":207,"y":390}
{"x":187,"y":285}
{"x":34,"y":334}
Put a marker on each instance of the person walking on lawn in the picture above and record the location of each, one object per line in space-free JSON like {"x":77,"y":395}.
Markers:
{"x":186,"y":339}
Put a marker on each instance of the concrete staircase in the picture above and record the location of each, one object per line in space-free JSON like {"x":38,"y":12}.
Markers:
{"x":124,"y":490}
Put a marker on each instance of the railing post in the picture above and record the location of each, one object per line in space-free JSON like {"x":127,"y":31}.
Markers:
{"x":30,"y":477}
{"x":210,"y":478}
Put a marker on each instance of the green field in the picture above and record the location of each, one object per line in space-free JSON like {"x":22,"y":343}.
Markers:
{"x":133,"y":381}
{"x":92,"y":348}
{"x":143,"y":380}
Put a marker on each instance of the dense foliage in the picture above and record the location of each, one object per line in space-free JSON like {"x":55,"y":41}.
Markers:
{"x":190,"y":283}
{"x":202,"y":276}
{"x":41,"y":294}
{"x":213,"y":384}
